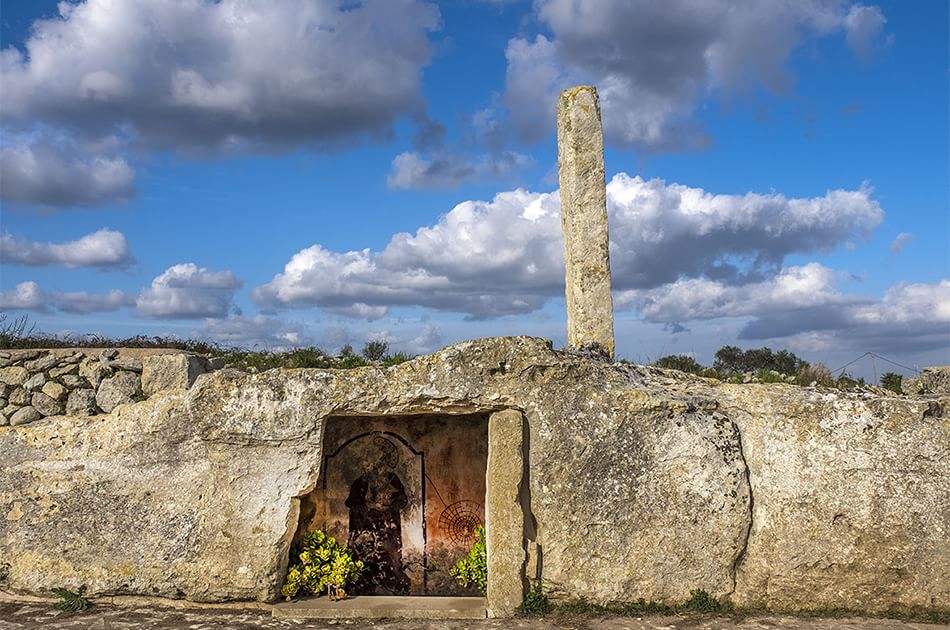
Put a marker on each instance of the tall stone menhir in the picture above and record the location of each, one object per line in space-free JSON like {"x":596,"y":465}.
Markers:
{"x":580,"y":156}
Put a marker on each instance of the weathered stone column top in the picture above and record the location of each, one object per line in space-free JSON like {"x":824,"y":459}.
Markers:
{"x":580,"y":143}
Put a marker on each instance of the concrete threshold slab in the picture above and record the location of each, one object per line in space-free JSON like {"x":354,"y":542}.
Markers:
{"x":384,"y":606}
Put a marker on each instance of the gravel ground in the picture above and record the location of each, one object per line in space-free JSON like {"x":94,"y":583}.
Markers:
{"x":108,"y":617}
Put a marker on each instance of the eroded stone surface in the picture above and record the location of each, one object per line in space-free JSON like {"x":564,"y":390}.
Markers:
{"x":93,"y":371}
{"x":505,"y":525}
{"x":19,"y":396}
{"x":47,"y":405}
{"x":72,"y":381}
{"x":931,"y":380}
{"x":846,"y":489}
{"x":54,"y":390}
{"x":118,"y":390}
{"x":81,"y":402}
{"x":69,"y":368}
{"x":41,"y":364}
{"x":126,"y":363}
{"x":25,"y":415}
{"x":35,"y":382}
{"x":639,"y":482}
{"x":580,"y":142}
{"x":170,"y":371}
{"x":14,"y":376}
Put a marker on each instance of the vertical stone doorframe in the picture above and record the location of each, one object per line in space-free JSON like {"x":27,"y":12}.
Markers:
{"x":504,"y":513}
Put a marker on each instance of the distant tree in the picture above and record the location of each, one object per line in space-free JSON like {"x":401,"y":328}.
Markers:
{"x":375,"y":350}
{"x":729,"y":359}
{"x":892,"y":381}
{"x":733,"y":359}
{"x":788,"y":363}
{"x":758,"y":359}
{"x":681,"y":362}
{"x":346,"y":350}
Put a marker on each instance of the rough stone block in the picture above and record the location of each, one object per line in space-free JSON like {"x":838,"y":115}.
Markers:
{"x":580,"y":145}
{"x":14,"y":375}
{"x":504,"y":528}
{"x":93,"y":371}
{"x":42,"y":364}
{"x":123,"y":362}
{"x":118,"y":390}
{"x":54,"y":390}
{"x":72,"y":381}
{"x":81,"y":402}
{"x":25,"y":415}
{"x":47,"y":405}
{"x":35,"y":382}
{"x":19,"y":396}
{"x":170,"y":371}
{"x":69,"y":368}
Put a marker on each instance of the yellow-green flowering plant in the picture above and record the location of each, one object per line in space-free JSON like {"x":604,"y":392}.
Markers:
{"x":323,"y":566}
{"x":473,"y":569}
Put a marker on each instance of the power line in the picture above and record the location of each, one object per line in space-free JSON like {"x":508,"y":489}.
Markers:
{"x":876,"y":356}
{"x":915,"y":370}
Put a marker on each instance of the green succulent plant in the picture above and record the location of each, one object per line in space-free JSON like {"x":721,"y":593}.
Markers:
{"x":323,"y":566}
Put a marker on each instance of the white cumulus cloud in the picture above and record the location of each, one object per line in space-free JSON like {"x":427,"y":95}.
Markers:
{"x":25,"y":296}
{"x":230,"y":75}
{"x":504,"y":256}
{"x":805,"y":302}
{"x":258,"y":330}
{"x":186,"y":291}
{"x":63,"y":176}
{"x":654,"y":61}
{"x":106,"y":249}
{"x":81,"y":302}
{"x":29,"y":296}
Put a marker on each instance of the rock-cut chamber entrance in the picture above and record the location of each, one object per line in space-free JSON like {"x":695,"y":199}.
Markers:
{"x":406,"y":493}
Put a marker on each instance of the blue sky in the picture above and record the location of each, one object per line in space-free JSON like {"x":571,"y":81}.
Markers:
{"x":242,"y":171}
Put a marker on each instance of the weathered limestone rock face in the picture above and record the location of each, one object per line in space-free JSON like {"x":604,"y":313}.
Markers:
{"x":14,"y":375}
{"x":580,"y":157}
{"x":932,"y":380}
{"x":47,"y":405}
{"x":170,"y":371}
{"x":82,"y":402}
{"x":20,"y":396}
{"x":846,"y":489}
{"x":643,"y":483}
{"x":118,"y":390}
{"x":504,"y":531}
{"x":25,"y":415}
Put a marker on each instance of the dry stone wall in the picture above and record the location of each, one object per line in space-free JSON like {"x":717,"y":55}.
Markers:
{"x":641,"y":483}
{"x":36,"y":384}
